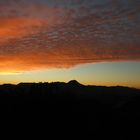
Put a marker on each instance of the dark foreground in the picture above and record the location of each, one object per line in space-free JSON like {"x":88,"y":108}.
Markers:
{"x":59,"y":109}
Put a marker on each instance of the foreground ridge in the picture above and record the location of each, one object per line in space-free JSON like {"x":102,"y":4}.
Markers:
{"x":72,"y":107}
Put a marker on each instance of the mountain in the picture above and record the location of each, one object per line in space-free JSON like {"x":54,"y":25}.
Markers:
{"x":71,"y":107}
{"x":74,"y":83}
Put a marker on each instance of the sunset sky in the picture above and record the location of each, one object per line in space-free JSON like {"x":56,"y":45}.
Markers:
{"x":93,"y":41}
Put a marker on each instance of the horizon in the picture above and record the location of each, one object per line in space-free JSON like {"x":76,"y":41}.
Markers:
{"x":138,"y":88}
{"x":66,"y":82}
{"x":101,"y":74}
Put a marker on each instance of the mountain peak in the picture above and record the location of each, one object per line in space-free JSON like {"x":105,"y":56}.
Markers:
{"x":74,"y":82}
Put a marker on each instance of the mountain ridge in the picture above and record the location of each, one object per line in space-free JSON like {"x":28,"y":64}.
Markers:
{"x":71,"y":107}
{"x":71,"y":82}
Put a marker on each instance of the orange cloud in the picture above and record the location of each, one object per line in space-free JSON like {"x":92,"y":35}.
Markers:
{"x":40,"y":36}
{"x":17,"y":27}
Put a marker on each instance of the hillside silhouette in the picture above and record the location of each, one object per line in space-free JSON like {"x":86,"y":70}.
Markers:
{"x":72,"y":107}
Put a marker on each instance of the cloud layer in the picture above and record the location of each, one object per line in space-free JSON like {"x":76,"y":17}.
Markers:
{"x":41,"y":34}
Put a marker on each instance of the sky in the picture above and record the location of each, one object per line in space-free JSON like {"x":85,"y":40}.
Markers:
{"x":93,"y":41}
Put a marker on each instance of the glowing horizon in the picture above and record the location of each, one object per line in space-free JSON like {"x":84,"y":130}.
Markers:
{"x":103,"y":74}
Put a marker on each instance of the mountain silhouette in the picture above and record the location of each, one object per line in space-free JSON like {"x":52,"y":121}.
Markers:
{"x":72,"y":107}
{"x":74,"y":83}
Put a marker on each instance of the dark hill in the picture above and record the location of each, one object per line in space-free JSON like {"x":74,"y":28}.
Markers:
{"x":72,"y":107}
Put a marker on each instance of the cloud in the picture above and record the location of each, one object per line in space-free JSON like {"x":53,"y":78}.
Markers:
{"x":49,"y":34}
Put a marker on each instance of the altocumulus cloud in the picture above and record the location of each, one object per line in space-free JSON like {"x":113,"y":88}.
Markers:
{"x":41,"y":34}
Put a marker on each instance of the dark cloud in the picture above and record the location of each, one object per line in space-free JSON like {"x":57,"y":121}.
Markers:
{"x":42,"y":34}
